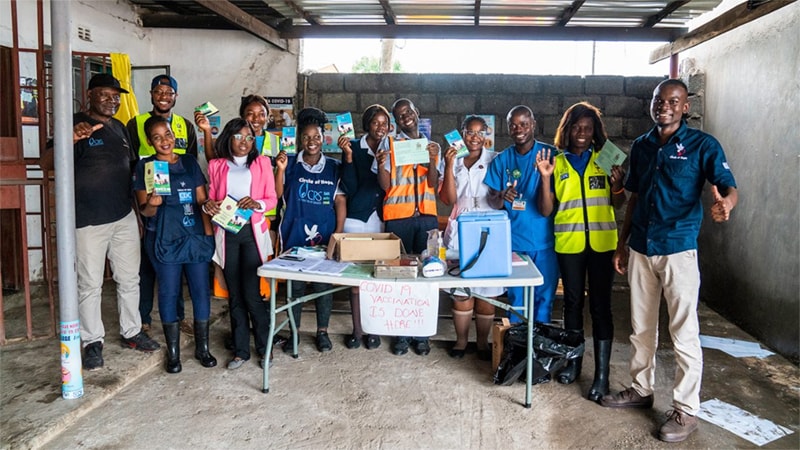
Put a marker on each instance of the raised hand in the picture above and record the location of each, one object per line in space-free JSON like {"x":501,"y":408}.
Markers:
{"x":450,"y":156}
{"x":617,"y":178}
{"x":544,"y":164}
{"x":201,"y":121}
{"x":282,"y":160}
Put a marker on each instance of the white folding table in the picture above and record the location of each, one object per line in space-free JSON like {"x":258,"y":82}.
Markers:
{"x":525,"y":276}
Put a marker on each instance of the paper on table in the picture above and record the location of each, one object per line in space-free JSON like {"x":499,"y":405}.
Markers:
{"x":610,"y":155}
{"x":741,"y":423}
{"x":411,"y":151}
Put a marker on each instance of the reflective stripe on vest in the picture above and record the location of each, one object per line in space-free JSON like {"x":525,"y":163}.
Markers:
{"x":179,"y":130}
{"x":270,"y":145}
{"x":401,"y":200}
{"x":584,"y":208}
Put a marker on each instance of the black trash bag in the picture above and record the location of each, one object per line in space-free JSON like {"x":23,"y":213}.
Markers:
{"x":552,"y":348}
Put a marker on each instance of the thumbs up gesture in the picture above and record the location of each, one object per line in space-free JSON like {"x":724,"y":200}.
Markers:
{"x":721,"y":209}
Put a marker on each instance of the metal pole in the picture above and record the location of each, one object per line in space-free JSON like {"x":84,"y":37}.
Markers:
{"x":72,"y":378}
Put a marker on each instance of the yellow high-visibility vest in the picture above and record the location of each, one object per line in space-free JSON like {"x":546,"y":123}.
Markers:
{"x":584,"y":213}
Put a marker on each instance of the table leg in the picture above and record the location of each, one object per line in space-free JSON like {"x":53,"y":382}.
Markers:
{"x":271,"y":335}
{"x":528,"y":294}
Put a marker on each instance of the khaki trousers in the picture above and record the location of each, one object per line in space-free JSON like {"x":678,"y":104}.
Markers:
{"x":119,"y":241}
{"x":678,"y":277}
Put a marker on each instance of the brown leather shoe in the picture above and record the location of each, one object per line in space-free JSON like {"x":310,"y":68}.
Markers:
{"x":678,"y":426}
{"x":628,"y":398}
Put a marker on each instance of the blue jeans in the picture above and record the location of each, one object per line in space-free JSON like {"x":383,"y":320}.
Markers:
{"x":543,"y":295}
{"x":147,"y":286}
{"x":169,"y":285}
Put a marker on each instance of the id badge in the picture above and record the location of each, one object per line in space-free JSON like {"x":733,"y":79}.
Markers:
{"x":518,"y":204}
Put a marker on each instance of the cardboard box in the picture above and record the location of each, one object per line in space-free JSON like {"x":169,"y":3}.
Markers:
{"x":406,"y":267}
{"x":364,"y":247}
{"x":498,"y":333}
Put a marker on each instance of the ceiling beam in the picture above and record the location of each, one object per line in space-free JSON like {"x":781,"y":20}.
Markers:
{"x":484,"y":32}
{"x":310,"y":18}
{"x":388,"y":13}
{"x":245,"y":21}
{"x":477,"y":13}
{"x":569,"y":13}
{"x":735,"y":17}
{"x":201,"y":22}
{"x":659,"y":16}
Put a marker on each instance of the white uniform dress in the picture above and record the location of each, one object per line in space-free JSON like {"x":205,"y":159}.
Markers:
{"x":471,"y":195}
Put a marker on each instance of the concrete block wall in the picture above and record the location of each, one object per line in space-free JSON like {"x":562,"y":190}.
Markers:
{"x":448,"y":98}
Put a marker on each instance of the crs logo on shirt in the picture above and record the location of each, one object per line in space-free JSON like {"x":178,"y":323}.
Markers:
{"x":95,"y":142}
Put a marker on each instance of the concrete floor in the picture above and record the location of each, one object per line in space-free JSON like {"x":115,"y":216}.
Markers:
{"x":364,"y":399}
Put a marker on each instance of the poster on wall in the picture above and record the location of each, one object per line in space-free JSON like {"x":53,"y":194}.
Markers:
{"x":489,"y":143}
{"x":281,"y":113}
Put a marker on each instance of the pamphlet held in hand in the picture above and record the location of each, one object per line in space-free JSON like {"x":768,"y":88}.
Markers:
{"x":156,"y":177}
{"x":610,"y":155}
{"x":230,"y":216}
{"x":344,"y":122}
{"x":289,"y":140}
{"x":455,"y":140}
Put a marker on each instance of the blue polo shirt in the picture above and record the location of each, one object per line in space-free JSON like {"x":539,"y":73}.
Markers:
{"x":530,"y":230}
{"x":669,"y":180}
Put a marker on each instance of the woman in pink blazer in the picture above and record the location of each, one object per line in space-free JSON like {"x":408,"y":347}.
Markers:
{"x":241,"y":173}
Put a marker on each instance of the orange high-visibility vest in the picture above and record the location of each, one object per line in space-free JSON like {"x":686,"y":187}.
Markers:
{"x":409,"y":194}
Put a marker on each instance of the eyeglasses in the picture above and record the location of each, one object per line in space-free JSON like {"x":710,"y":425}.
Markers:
{"x":475,"y":133}
{"x":246,"y":137}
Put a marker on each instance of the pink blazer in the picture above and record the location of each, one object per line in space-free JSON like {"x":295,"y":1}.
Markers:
{"x":262,"y":188}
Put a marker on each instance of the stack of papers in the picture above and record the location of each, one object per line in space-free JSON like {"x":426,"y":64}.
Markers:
{"x":309,"y":265}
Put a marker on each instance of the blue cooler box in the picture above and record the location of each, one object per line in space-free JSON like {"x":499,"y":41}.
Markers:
{"x":495,"y":260}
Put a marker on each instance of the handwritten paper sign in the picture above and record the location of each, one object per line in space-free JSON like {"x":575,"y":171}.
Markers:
{"x":397,"y":308}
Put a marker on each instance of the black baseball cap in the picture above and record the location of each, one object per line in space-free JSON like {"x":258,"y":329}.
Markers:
{"x":105,"y":80}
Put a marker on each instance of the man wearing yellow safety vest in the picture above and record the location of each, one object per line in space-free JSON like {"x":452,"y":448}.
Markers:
{"x":409,"y":207}
{"x":163,"y":93}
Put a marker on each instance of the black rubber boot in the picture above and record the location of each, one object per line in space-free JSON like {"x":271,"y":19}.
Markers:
{"x":572,"y":371}
{"x":172,"y":333}
{"x":201,"y":344}
{"x":602,"y":356}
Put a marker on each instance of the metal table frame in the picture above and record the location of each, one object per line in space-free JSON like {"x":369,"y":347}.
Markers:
{"x":526,"y":276}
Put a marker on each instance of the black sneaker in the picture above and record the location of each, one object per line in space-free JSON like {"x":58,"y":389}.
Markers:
{"x":323,"y":342}
{"x":141,"y":342}
{"x":93,"y":356}
{"x":400,"y":346}
{"x":422,"y":346}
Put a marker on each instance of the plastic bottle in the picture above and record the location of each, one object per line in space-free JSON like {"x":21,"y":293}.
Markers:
{"x":442,"y":249}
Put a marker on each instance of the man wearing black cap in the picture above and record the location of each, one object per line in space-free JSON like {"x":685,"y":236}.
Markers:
{"x":105,"y":222}
{"x":163,"y":94}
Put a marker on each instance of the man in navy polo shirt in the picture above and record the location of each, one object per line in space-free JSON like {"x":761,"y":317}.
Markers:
{"x":668,"y":169}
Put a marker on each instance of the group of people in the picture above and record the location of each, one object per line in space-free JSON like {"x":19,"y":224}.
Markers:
{"x":560,"y":202}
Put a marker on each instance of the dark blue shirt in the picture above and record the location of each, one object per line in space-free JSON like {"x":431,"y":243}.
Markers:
{"x":669,"y":180}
